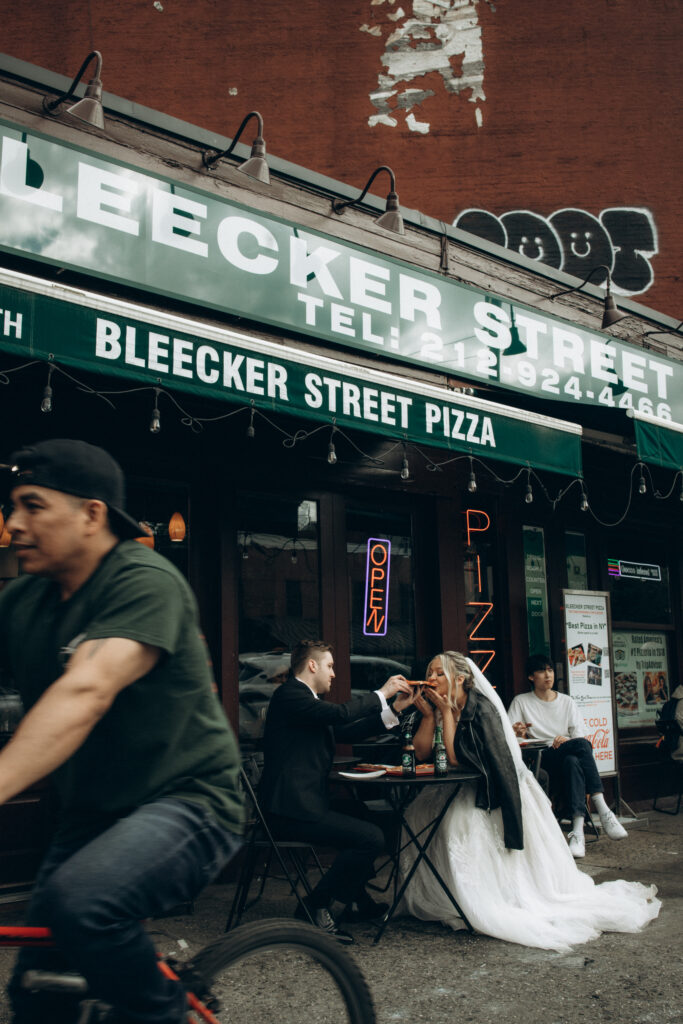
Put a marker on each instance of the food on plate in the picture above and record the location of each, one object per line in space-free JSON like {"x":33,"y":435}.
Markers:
{"x":420,"y":769}
{"x":369,"y":767}
{"x":421,"y":682}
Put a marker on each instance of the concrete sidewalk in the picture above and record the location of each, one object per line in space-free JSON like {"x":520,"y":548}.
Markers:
{"x":425,"y":972}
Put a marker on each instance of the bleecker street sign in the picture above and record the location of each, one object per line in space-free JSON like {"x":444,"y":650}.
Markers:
{"x":40,"y":320}
{"x":67,"y":206}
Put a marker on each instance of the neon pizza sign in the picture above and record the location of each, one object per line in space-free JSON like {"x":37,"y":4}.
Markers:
{"x":377,"y":587}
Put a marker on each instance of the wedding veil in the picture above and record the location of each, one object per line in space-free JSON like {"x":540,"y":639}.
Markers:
{"x":482,"y":685}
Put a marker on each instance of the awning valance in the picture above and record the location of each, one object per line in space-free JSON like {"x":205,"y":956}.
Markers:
{"x":659,"y":442}
{"x":103,"y":335}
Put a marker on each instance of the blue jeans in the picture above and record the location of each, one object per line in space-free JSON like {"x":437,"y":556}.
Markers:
{"x":572,"y":765}
{"x":94,"y":894}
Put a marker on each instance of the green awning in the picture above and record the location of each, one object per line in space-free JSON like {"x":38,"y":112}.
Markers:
{"x":95,"y":333}
{"x":659,"y":442}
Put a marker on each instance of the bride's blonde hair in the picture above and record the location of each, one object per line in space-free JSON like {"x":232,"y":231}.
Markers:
{"x":454,"y":664}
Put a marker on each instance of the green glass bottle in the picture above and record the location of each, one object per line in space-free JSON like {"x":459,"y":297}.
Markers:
{"x":440,"y":758}
{"x":408,"y":755}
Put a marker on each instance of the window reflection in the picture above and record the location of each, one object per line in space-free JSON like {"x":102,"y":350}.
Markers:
{"x":163,"y":509}
{"x":382,"y":612}
{"x":278,"y":597}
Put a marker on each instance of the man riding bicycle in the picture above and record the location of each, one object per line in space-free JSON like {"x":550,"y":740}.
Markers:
{"x":102,"y":640}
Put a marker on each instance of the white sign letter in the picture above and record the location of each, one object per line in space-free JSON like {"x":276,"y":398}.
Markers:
{"x":228,"y":235}
{"x":13,"y":167}
{"x":98,"y":188}
{"x":169,"y":227}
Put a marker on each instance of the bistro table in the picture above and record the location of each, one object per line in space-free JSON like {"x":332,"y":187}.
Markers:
{"x":399,"y":792}
{"x":531,"y":753}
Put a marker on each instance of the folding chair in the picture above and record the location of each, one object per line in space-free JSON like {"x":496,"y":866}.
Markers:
{"x":259,"y":839}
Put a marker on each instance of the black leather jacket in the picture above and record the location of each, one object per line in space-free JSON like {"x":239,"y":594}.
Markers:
{"x":480,"y":742}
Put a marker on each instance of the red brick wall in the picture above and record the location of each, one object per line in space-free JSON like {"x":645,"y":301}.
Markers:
{"x":581,"y":104}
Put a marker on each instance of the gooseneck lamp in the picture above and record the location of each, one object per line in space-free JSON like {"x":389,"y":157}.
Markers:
{"x":665,"y":330}
{"x":391,"y":219}
{"x":90,"y":108}
{"x":256,"y":166}
{"x":611,"y":313}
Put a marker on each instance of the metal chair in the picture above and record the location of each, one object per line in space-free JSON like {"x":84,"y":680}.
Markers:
{"x":260,"y":839}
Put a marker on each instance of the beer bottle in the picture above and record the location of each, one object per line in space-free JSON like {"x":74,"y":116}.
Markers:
{"x":440,"y":758}
{"x":408,"y":755}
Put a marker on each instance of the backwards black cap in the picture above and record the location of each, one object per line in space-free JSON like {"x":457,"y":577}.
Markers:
{"x":76,"y":467}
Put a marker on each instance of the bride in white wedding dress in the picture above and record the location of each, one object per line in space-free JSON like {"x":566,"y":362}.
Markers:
{"x":534,"y":895}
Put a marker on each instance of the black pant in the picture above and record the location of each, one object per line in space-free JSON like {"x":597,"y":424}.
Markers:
{"x":342,"y":827}
{"x":572,"y":766}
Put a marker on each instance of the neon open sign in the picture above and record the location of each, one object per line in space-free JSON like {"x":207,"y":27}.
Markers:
{"x":377,"y":587}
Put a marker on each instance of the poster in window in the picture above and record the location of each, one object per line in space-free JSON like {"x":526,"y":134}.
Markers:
{"x":589,"y":675}
{"x":641,"y":676}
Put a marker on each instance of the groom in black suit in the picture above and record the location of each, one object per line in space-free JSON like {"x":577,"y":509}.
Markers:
{"x":298,"y":745}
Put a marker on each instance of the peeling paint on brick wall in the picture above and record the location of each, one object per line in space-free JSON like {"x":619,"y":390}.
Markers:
{"x":441,"y":36}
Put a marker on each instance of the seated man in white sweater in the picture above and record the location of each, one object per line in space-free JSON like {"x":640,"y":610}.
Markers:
{"x":545,"y":714}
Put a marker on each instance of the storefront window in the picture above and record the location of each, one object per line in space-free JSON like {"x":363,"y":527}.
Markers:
{"x":481,"y":600}
{"x":641,"y":602}
{"x":535,"y":582}
{"x":639,"y":591}
{"x":279,"y":597}
{"x":577,"y":563}
{"x":164,"y":510}
{"x":11,"y":708}
{"x":380,"y":566}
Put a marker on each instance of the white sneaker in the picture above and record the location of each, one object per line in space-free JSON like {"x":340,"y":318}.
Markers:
{"x":612,"y":826}
{"x":577,"y":845}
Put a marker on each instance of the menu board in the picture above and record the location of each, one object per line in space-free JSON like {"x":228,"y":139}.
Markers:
{"x":589,"y":676}
{"x":641,"y":676}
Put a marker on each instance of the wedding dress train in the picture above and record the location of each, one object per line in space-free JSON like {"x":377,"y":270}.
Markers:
{"x":536,"y":896}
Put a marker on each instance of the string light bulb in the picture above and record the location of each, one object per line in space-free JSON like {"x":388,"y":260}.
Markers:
{"x":405,"y":468}
{"x":155,"y":422}
{"x":529,"y":496}
{"x":250,"y":428}
{"x":472,"y":485}
{"x":642,"y":486}
{"x":46,"y":404}
{"x":584,"y":501}
{"x":331,"y":450}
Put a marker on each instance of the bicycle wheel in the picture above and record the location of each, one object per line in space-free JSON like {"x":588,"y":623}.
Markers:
{"x":282,"y":971}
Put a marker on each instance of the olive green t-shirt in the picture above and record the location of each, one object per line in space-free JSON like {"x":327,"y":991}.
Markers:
{"x":166,"y":734}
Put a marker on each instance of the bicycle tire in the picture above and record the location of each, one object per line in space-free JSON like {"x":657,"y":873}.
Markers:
{"x":284,"y":934}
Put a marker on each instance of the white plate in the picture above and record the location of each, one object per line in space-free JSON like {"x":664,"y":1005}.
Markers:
{"x":363,"y":775}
